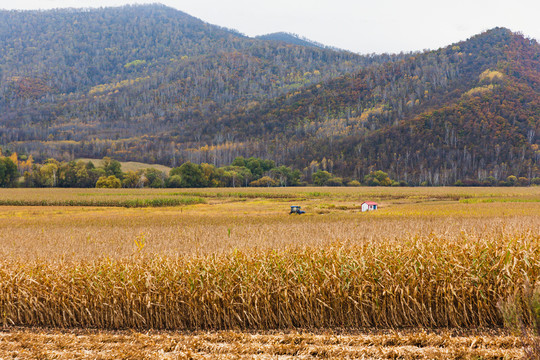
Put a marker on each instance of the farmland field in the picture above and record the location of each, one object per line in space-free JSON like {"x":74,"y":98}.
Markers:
{"x":227,"y":273}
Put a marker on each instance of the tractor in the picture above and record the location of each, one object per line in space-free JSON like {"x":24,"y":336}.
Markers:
{"x":295,"y":209}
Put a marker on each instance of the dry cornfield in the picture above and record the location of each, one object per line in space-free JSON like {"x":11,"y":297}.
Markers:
{"x":429,"y":258}
{"x":397,"y":283}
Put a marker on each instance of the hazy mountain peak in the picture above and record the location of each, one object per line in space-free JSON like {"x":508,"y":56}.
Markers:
{"x":291,"y":38}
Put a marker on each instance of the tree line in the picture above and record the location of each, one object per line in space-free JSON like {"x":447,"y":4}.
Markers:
{"x":21,"y":171}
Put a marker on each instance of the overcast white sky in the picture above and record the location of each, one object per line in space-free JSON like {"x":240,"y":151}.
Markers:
{"x":363,"y":26}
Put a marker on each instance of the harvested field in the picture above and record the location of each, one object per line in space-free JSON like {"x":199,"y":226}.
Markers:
{"x":85,"y":344}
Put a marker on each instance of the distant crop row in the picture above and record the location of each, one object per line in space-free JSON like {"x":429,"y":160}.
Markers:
{"x":415,"y":282}
{"x":336,"y":193}
{"x":128,"y":203}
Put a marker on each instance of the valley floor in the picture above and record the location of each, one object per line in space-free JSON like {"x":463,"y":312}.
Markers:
{"x":427,"y":258}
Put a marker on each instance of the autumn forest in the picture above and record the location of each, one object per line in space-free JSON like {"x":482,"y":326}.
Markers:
{"x":155,"y":85}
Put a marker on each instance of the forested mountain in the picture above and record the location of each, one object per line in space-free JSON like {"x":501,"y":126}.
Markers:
{"x":129,"y":72}
{"x":468,"y":111}
{"x":152,"y":84}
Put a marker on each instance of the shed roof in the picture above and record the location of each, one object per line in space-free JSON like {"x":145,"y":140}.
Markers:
{"x":369,"y":203}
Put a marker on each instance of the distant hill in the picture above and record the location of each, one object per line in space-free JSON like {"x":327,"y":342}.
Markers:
{"x":291,"y":39}
{"x":154,"y":85}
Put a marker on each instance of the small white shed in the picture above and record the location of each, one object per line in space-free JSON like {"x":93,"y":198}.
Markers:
{"x":369,"y":206}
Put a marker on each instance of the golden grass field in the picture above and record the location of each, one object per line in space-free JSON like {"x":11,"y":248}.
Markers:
{"x":130,"y":165}
{"x":233,"y":275}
